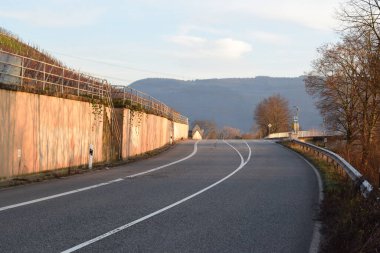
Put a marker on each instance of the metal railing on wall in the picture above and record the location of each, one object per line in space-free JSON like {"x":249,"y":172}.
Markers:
{"x":129,"y":96}
{"x":340,"y":163}
{"x":38,"y":76}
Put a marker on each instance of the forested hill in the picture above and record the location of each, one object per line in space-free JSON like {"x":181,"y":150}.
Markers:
{"x":230,"y":102}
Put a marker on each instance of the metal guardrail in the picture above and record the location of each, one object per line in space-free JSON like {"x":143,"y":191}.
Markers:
{"x":317,"y":133}
{"x":365,"y":187}
{"x":36,"y":76}
{"x":303,"y":134}
{"x":279,"y":135}
{"x":134,"y":97}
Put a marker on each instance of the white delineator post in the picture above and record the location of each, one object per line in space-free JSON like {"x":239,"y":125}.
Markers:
{"x":91,"y":155}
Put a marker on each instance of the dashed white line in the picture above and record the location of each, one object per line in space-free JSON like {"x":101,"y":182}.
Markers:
{"x":98,"y":185}
{"x":130,"y":224}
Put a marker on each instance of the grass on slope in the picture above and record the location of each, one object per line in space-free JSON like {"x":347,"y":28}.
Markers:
{"x":350,"y":223}
{"x":12,"y":44}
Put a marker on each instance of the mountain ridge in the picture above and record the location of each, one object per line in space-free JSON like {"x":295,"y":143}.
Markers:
{"x":221,"y":99}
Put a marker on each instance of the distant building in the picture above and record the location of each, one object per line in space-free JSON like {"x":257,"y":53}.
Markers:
{"x":196,"y":133}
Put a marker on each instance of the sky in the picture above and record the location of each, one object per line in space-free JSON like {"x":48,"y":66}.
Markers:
{"x":124,"y":41}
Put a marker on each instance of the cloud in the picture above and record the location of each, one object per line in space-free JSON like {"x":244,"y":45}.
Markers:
{"x":309,"y":13}
{"x":231,"y":48}
{"x":191,"y":28}
{"x":197,"y":47}
{"x":188,"y":41}
{"x":58,"y":14}
{"x":313,"y":14}
{"x":271,"y":38}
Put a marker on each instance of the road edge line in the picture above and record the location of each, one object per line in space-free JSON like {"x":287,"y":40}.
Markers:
{"x":316,"y":237}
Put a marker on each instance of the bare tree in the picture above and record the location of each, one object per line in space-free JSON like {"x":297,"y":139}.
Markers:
{"x":345,"y":82}
{"x":230,"y":133}
{"x":360,"y":17}
{"x":273,"y":115}
{"x":333,"y":83}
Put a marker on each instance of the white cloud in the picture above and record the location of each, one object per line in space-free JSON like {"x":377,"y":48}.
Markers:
{"x":197,"y":47}
{"x":308,"y":13}
{"x":271,"y":38}
{"x":191,"y":28}
{"x":231,"y":48}
{"x":314,"y":14}
{"x":188,"y":41}
{"x":63,"y":15}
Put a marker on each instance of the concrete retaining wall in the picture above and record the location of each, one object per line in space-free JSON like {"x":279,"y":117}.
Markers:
{"x":181,"y":131}
{"x":40,"y":133}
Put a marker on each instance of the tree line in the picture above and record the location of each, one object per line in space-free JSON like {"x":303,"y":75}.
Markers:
{"x":345,"y":79}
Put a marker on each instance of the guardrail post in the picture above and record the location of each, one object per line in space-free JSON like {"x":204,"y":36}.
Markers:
{"x":22,"y":71}
{"x":44,"y":83}
{"x":78,"y":82}
{"x":63,"y":76}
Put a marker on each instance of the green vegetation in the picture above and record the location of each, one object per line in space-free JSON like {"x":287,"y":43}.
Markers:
{"x":350,"y":223}
{"x":12,"y":44}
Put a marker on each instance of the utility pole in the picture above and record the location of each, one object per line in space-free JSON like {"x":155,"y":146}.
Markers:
{"x":296,"y":125}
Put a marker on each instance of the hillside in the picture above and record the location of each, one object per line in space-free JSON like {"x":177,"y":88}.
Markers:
{"x":230,"y":101}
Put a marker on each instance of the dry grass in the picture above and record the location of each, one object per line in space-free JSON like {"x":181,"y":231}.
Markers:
{"x":369,"y":168}
{"x":11,"y":43}
{"x":351,"y":223}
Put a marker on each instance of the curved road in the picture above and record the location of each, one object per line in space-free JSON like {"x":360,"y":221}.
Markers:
{"x":211,"y":196}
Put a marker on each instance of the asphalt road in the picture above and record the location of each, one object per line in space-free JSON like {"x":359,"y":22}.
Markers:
{"x":242,"y":197}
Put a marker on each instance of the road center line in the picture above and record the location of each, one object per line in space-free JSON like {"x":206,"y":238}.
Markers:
{"x":167,"y":165}
{"x":121,"y":228}
{"x":97,"y":185}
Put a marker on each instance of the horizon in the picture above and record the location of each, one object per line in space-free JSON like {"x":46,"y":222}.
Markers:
{"x":215,"y":78}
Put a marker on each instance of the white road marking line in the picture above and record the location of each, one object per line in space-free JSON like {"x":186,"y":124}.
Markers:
{"x":121,"y":228}
{"x":96,"y":185}
{"x":169,"y":164}
{"x":59,"y":195}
